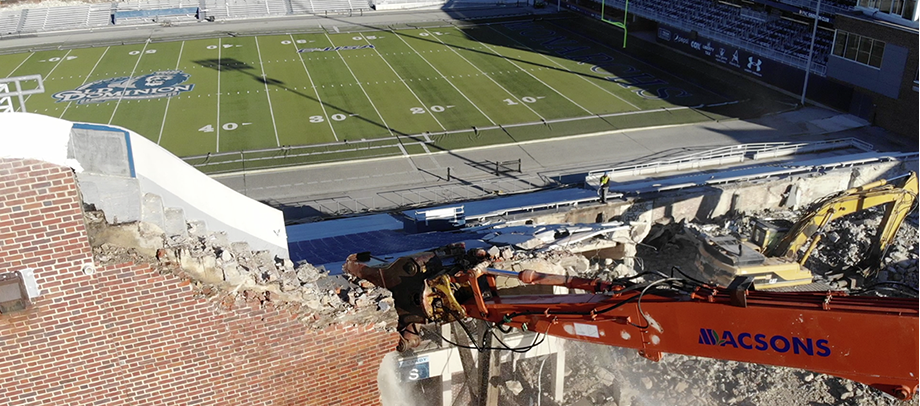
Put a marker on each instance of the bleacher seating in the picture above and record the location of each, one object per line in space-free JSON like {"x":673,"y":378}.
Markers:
{"x":302,"y":7}
{"x":432,"y":4}
{"x":785,"y":40}
{"x":216,"y":9}
{"x":9,"y":21}
{"x":827,"y":6}
{"x":99,"y":15}
{"x":320,"y":6}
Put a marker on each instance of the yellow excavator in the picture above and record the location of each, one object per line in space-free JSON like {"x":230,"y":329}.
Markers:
{"x":770,"y":257}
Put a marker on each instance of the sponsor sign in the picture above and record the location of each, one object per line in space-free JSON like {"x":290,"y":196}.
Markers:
{"x":715,"y":51}
{"x":811,"y":15}
{"x":167,"y":83}
{"x":414,"y":369}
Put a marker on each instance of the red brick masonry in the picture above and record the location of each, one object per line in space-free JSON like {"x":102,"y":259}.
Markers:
{"x":128,"y":334}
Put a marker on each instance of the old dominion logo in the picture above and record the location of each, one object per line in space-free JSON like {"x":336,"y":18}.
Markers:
{"x":166,"y":83}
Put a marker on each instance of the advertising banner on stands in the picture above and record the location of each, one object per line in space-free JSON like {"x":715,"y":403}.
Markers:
{"x":770,"y":71}
{"x":729,"y":56}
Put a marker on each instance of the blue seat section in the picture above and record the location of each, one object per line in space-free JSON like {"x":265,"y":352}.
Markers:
{"x":345,"y":226}
{"x":155,"y":13}
{"x":328,"y":243}
{"x":329,"y":250}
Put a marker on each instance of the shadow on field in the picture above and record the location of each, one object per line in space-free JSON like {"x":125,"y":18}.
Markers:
{"x":230,"y":64}
{"x":649,"y":71}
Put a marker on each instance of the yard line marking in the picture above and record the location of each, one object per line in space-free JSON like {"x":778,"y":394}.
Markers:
{"x":219,"y":47}
{"x":49,"y":73}
{"x":20,"y":64}
{"x":525,"y":71}
{"x":122,"y":95}
{"x":318,"y":97}
{"x":87,"y":78}
{"x":267,"y":94}
{"x":407,"y":86}
{"x":445,"y":78}
{"x":567,"y":69}
{"x":488,"y":76}
{"x":362,"y":87}
{"x":165,"y":112}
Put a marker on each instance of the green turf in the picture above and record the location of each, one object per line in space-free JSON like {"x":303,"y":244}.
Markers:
{"x":444,"y":87}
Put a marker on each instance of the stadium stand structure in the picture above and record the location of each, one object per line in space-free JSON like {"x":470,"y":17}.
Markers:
{"x":434,"y":4}
{"x":9,"y":21}
{"x":140,"y":12}
{"x":782,"y":39}
{"x":57,"y":18}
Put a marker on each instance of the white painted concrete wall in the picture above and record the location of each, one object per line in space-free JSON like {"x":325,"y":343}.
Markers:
{"x":27,"y":135}
{"x":180,"y":185}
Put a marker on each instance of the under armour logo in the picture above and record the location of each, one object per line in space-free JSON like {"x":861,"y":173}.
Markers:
{"x":754,"y":65}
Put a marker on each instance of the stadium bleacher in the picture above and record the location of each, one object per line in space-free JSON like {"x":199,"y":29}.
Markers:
{"x":770,"y":35}
{"x":9,"y":21}
{"x":785,"y":40}
{"x":302,"y":7}
{"x":137,"y":12}
{"x":320,"y":6}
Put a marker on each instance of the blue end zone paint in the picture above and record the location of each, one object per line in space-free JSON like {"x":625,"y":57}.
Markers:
{"x":100,"y":127}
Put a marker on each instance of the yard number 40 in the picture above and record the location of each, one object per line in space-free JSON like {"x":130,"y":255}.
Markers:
{"x":227,"y":126}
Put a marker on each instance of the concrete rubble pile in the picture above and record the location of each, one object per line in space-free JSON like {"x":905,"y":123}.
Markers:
{"x":229,"y":272}
{"x":846,"y":241}
{"x":600,"y":375}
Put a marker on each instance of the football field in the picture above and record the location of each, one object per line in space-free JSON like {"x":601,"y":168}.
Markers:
{"x":274,"y":100}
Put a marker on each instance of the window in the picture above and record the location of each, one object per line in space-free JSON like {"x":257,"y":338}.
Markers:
{"x":903,"y":8}
{"x":852,"y":47}
{"x":878,"y":50}
{"x":884,"y":5}
{"x":909,"y":7}
{"x":865,"y":47}
{"x":840,"y":42}
{"x":857,"y":48}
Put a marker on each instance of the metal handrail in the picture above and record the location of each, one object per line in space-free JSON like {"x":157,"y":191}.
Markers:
{"x":718,"y":156}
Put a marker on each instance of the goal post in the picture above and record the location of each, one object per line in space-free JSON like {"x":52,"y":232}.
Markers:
{"x":617,"y":23}
{"x":18,"y":87}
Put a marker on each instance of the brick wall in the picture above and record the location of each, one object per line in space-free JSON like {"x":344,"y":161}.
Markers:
{"x":134,"y":334}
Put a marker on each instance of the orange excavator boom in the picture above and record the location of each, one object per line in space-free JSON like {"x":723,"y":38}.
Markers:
{"x":873,"y":340}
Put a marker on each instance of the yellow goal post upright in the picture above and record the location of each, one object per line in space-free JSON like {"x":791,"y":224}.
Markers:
{"x":17,"y":87}
{"x":616,"y":23}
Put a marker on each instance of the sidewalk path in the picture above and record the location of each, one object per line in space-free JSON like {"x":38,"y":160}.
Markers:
{"x":389,"y":183}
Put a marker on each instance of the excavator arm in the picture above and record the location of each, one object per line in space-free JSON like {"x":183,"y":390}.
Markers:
{"x":899,"y":193}
{"x":873,"y":340}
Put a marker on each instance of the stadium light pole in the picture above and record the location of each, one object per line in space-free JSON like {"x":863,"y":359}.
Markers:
{"x":811,"y":52}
